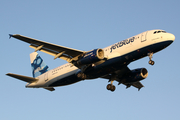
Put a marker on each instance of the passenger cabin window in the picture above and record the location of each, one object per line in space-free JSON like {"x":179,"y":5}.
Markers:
{"x":159,"y":32}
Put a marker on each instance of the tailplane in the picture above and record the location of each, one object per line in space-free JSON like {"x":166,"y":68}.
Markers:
{"x":23,"y":78}
{"x":38,"y":65}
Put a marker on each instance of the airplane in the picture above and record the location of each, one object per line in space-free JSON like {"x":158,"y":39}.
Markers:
{"x":109,"y":63}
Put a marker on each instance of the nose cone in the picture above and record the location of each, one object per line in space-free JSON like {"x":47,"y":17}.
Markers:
{"x":171,"y":37}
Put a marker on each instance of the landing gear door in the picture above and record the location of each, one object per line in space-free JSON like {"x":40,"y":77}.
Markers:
{"x":144,"y":36}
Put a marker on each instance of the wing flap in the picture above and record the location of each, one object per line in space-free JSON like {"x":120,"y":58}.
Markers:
{"x":50,"y":88}
{"x":53,"y":53}
{"x":138,"y":85}
{"x":23,"y":78}
{"x":124,"y":70}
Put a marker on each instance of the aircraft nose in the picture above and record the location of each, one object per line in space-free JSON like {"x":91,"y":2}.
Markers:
{"x":171,"y":37}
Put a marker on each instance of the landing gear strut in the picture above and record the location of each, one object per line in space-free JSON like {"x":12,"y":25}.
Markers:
{"x":151,"y":62}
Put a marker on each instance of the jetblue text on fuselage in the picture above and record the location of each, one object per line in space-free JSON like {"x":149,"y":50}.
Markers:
{"x":120,"y":44}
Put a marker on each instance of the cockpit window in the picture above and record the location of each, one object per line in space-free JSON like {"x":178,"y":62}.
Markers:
{"x":164,"y":31}
{"x":159,"y":32}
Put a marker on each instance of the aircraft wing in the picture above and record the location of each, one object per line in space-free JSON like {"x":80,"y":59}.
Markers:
{"x":57,"y":51}
{"x":123,"y":71}
{"x":138,"y":85}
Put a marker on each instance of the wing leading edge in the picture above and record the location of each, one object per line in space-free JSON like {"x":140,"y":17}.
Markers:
{"x":57,"y":51}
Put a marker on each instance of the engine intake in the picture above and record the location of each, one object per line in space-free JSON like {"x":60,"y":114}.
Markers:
{"x":91,"y":57}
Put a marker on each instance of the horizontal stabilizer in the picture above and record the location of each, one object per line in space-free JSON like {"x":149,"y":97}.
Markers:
{"x":50,"y":89}
{"x":23,"y":78}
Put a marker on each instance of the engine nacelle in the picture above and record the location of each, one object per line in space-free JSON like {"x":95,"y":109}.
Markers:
{"x":136,"y":75}
{"x":91,"y":57}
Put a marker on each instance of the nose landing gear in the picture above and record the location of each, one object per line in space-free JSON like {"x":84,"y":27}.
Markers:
{"x":151,"y":62}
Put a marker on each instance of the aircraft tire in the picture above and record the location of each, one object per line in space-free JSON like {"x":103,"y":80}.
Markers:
{"x":81,"y":76}
{"x":111,"y":87}
{"x":151,"y":62}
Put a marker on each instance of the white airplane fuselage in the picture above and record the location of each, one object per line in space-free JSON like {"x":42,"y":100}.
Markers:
{"x":117,"y":55}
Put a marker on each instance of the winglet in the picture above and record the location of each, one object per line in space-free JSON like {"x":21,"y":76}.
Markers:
{"x":10,"y":35}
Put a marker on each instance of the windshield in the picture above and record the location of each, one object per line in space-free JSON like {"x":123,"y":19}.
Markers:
{"x":160,"y":31}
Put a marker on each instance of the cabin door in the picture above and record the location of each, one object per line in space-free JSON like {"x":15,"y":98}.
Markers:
{"x":46,"y":76}
{"x":144,"y":36}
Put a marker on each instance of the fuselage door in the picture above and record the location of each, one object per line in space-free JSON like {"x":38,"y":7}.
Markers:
{"x":144,"y":36}
{"x":46,"y":76}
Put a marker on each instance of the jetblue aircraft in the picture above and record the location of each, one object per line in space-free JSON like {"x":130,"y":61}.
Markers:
{"x":109,"y":63}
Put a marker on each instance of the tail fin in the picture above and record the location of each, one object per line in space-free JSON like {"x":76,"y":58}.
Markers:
{"x":37,"y":64}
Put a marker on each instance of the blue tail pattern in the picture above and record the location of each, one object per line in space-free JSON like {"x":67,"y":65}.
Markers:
{"x":38,"y":65}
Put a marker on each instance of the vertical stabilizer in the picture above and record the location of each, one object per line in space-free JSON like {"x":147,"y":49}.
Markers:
{"x":37,"y":64}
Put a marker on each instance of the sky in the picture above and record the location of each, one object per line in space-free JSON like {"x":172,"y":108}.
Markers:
{"x":87,"y":25}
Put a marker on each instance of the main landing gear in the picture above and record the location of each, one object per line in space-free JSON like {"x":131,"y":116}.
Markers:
{"x":151,"y":62}
{"x":111,"y":87}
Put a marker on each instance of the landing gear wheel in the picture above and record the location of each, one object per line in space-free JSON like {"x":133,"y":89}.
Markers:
{"x":151,"y":62}
{"x":111,"y":87}
{"x":81,"y":76}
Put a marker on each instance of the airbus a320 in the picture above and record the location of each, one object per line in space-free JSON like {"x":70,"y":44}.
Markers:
{"x":109,"y":63}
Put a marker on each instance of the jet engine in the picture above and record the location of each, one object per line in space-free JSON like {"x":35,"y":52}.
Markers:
{"x":135,"y":75}
{"x":91,"y":57}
